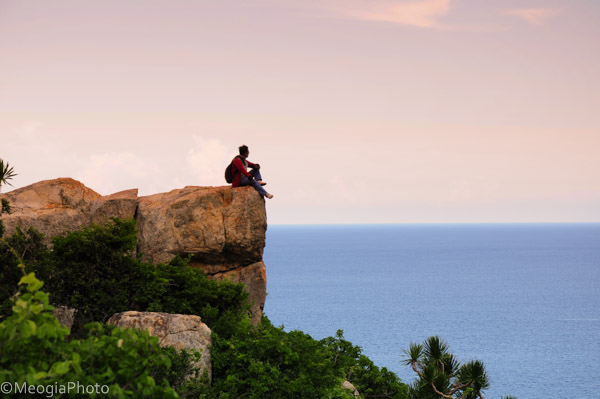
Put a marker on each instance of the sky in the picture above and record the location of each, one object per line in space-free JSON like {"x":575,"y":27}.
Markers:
{"x":359,"y":111}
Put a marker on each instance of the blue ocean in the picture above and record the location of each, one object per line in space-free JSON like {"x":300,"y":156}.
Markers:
{"x":523,"y":298}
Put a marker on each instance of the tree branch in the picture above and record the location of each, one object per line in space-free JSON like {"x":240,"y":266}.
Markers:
{"x":439,"y":393}
{"x":458,"y":387}
{"x":413,"y":363}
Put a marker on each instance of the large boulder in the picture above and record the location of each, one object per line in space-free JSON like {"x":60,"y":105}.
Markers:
{"x":56,"y":206}
{"x":180,"y":331}
{"x":50,"y":206}
{"x":122,"y":205}
{"x":222,"y":228}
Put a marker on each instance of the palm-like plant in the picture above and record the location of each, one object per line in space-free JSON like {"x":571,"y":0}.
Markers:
{"x":440,"y":375}
{"x":6,"y":173}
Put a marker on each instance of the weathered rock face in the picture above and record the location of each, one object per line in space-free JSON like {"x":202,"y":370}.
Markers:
{"x":254,"y":277}
{"x":177,"y":330}
{"x":50,"y":206}
{"x":223,"y":228}
{"x":56,"y":206}
{"x":122,"y":205}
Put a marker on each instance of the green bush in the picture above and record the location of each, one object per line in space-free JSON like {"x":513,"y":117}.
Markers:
{"x":96,"y":272}
{"x":265,"y":361}
{"x":369,"y":380}
{"x":30,"y":247}
{"x":34,"y":350}
{"x":178,"y":288}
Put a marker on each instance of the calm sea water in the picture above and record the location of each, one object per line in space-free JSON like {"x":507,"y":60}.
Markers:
{"x":523,"y":298}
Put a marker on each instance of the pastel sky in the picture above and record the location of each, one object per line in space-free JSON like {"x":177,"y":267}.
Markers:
{"x":359,"y":111}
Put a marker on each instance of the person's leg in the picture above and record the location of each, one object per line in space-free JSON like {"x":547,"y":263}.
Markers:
{"x":256,"y":174}
{"x":245,"y":182}
{"x":258,"y":187}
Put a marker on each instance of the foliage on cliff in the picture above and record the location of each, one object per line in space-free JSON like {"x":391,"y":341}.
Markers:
{"x":265,"y":361}
{"x":95,"y":271}
{"x":34,"y":349}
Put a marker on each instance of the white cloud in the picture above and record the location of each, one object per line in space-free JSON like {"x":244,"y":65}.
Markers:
{"x":115,"y":171}
{"x":203,"y":165}
{"x":208,"y":160}
{"x":535,"y":16}
{"x":29,"y":129}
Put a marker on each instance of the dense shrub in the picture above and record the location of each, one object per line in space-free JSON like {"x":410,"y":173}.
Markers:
{"x":30,"y":247}
{"x":95,"y":271}
{"x":178,"y":288}
{"x":34,"y":350}
{"x":370,"y":380}
{"x":265,"y":361}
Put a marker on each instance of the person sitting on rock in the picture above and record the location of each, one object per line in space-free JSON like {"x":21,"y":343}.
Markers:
{"x":241,"y":177}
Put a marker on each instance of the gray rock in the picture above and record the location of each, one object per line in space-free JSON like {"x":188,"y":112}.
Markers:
{"x":65,"y":315}
{"x":177,"y":330}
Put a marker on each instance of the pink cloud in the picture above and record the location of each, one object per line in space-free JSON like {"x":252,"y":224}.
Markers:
{"x":424,"y":13}
{"x":535,"y":16}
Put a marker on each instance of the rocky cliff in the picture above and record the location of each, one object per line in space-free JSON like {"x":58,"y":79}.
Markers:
{"x":222,"y":228}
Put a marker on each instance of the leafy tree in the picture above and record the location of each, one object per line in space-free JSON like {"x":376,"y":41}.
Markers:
{"x":440,"y":375}
{"x":264,"y":361}
{"x":34,"y":350}
{"x":369,"y":380}
{"x":31,"y":248}
{"x":6,"y":173}
{"x":178,"y":288}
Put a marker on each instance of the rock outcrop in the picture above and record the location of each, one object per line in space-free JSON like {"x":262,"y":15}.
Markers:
{"x":65,"y":315}
{"x":180,"y":331}
{"x":222,"y":228}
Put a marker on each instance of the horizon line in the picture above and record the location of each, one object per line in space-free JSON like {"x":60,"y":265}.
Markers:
{"x":424,"y":223}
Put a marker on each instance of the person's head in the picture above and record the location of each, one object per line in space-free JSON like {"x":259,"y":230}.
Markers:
{"x":244,"y":151}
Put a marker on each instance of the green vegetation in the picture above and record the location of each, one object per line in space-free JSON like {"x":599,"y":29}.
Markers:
{"x":95,"y":271}
{"x":441,"y":375}
{"x":6,"y":173}
{"x":34,"y":349}
{"x":267,"y":362}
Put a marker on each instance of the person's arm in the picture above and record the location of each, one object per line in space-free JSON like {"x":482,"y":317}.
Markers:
{"x":240,"y":166}
{"x":253,"y":165}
